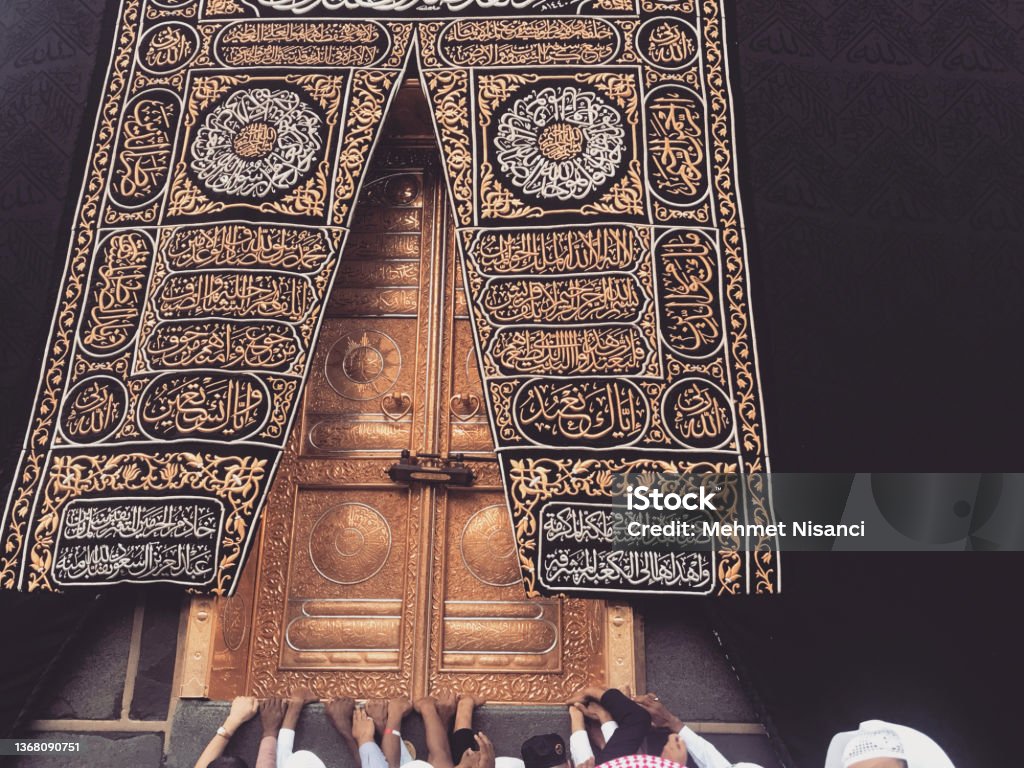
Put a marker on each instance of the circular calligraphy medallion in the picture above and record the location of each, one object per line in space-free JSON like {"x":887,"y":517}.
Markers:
{"x":93,"y":409}
{"x":256,"y":143}
{"x":168,"y":47}
{"x":697,"y":413}
{"x":561,"y":143}
{"x":350,"y":543}
{"x":489,"y":548}
{"x":667,"y":42}
{"x":363,"y":365}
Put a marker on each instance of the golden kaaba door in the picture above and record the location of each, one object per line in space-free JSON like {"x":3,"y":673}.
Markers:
{"x":371,"y":588}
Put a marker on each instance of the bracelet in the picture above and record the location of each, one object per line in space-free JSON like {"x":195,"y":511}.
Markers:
{"x":392,"y":730}
{"x":223,"y":732}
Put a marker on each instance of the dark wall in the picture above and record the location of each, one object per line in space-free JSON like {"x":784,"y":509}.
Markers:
{"x":48,"y":51}
{"x":47,"y":60}
{"x":881,"y":148}
{"x":882,"y":160}
{"x":882,"y":153}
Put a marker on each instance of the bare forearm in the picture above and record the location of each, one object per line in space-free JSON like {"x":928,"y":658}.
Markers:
{"x":389,"y":745}
{"x":217,"y":744}
{"x":213,"y":750}
{"x":390,"y":742}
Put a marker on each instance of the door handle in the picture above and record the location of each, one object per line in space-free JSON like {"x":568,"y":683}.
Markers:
{"x":396,"y":405}
{"x":464,"y":406}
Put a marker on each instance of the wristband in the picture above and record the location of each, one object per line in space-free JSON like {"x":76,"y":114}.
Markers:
{"x":392,"y":730}
{"x":223,"y":732}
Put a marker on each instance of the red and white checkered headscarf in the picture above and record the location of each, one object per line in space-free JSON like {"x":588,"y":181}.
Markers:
{"x":640,"y":761}
{"x":653,"y":761}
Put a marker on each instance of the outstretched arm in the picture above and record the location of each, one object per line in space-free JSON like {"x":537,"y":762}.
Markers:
{"x":580,"y":750}
{"x":683,"y":742}
{"x":660,"y":715}
{"x":243,"y":709}
{"x":339,"y":711}
{"x":370,"y":755}
{"x":634,"y":723}
{"x":391,"y":739}
{"x":271,"y":715}
{"x":286,"y":736}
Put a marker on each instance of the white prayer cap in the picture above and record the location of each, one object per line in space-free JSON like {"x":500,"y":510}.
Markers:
{"x":870,"y":745}
{"x":303,"y":759}
{"x":877,"y":739}
{"x":508,"y":762}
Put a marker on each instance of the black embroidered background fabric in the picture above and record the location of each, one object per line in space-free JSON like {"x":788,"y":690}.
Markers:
{"x":880,"y":160}
{"x":880,"y":150}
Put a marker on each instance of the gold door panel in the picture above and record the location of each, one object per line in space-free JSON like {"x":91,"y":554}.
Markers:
{"x":369,"y":588}
{"x":360,"y":393}
{"x":486,"y":623}
{"x":348,"y":578}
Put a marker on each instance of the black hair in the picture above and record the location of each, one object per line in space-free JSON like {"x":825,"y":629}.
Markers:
{"x":228,"y":761}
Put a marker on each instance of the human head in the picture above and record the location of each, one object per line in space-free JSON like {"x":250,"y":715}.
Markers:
{"x":227,"y":761}
{"x":878,"y":744}
{"x":879,"y":748}
{"x":303,"y":759}
{"x":674,"y":749}
{"x":544,"y":751}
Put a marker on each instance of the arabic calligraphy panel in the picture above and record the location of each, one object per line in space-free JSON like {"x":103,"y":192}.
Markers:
{"x":689,"y":292}
{"x":118,"y":282}
{"x":94,"y":409}
{"x":222,"y":407}
{"x":143,"y":152}
{"x":298,"y":43}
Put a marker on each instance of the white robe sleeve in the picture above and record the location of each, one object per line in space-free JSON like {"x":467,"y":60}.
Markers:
{"x":371,"y":757}
{"x":404,"y":755}
{"x":579,"y":747}
{"x":701,"y":751}
{"x":285,"y":744}
{"x":607,"y":729}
